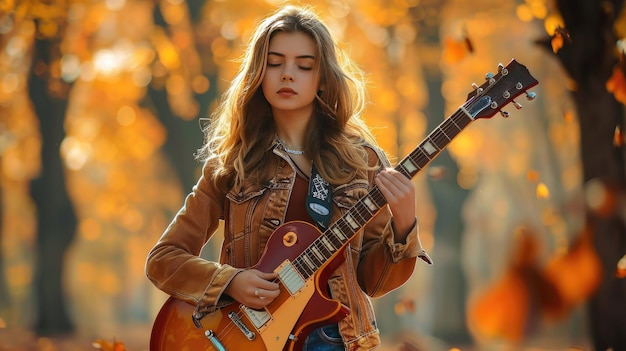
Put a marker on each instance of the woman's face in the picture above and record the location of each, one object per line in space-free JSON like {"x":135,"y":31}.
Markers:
{"x":291,"y":80}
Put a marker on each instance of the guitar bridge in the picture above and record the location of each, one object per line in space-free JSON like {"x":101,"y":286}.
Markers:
{"x":249,"y":334}
{"x":258,"y":317}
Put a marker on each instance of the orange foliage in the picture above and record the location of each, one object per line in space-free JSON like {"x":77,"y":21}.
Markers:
{"x":527,"y":294}
{"x":504,"y":309}
{"x":575,"y":274}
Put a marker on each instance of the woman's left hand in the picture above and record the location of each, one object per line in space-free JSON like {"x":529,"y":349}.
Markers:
{"x":399,"y":192}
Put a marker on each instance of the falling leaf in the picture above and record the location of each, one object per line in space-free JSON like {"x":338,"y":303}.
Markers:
{"x":617,"y":84}
{"x":404,"y":306}
{"x":560,"y":35}
{"x":455,"y":50}
{"x":568,"y":116}
{"x":618,"y":137}
{"x":621,"y":268}
{"x":532,"y":175}
{"x":542,"y":191}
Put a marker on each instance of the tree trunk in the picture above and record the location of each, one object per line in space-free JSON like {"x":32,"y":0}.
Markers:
{"x":56,"y":219}
{"x":589,"y":60}
{"x":448,"y":197}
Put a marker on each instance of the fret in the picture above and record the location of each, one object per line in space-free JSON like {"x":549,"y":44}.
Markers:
{"x":430,"y":148}
{"x":350,"y":220}
{"x":443,"y":131}
{"x":453,"y":123}
{"x":345,"y":227}
{"x":323,"y":250}
{"x":462,"y":121}
{"x":378,"y":197}
{"x":409,"y":166}
{"x":369,"y":204}
{"x":331,"y":248}
{"x":333,"y":240}
{"x":440,"y":139}
{"x":338,"y":233}
{"x":309,"y":263}
{"x":359,"y":211}
{"x":420,"y":155}
{"x":317,"y":255}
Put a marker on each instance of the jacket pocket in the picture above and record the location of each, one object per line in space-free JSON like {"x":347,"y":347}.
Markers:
{"x":245,"y":193}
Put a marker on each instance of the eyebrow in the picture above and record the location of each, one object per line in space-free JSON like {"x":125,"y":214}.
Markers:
{"x":298,"y":57}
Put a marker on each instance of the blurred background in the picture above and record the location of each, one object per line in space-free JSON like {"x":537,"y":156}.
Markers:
{"x":100,"y":102}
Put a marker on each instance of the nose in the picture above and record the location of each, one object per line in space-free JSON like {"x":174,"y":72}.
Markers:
{"x":286,"y":77}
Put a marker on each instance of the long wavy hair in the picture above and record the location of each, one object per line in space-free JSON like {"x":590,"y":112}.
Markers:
{"x":241,"y":132}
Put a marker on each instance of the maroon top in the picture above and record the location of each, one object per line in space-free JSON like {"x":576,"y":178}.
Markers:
{"x":296,"y":209}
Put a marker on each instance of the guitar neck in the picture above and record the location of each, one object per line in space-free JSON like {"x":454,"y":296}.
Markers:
{"x":340,"y":232}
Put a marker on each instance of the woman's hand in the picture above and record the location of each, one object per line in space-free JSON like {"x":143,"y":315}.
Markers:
{"x":253,"y":288}
{"x":399,"y":192}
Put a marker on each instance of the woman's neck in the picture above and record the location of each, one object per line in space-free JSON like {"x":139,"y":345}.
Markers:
{"x":291,"y":129}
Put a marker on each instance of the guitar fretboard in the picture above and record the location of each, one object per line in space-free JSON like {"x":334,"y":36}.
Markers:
{"x":339,"y":233}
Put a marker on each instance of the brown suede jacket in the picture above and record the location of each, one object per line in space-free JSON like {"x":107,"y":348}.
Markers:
{"x":374,"y":262}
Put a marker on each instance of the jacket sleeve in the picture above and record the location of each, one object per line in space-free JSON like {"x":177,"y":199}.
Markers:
{"x":385,"y":264}
{"x":173,"y":264}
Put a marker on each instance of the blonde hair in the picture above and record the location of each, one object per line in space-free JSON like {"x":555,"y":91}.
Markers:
{"x":239,"y":139}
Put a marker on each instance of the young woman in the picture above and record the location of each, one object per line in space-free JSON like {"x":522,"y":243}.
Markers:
{"x":287,"y":138}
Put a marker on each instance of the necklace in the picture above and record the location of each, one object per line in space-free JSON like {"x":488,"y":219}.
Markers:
{"x":290,"y":149}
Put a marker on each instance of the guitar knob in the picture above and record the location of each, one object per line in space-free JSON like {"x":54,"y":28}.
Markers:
{"x":505,"y":114}
{"x":530,"y":95}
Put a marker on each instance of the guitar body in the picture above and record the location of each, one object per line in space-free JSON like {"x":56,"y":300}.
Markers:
{"x":282,"y":325}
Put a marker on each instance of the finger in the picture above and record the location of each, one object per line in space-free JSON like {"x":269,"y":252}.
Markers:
{"x":387,"y":187}
{"x":268,"y":276}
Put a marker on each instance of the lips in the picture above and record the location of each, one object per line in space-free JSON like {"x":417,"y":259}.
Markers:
{"x":286,"y":91}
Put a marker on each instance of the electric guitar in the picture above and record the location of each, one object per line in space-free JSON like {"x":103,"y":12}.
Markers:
{"x":303,"y":257}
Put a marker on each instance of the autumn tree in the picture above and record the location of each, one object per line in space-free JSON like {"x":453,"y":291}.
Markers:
{"x":56,"y":218}
{"x":586,"y":48}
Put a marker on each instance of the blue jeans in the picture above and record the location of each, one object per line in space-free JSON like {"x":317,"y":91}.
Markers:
{"x":326,"y":338}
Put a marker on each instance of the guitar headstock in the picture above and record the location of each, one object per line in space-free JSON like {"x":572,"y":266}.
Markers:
{"x":499,"y":90}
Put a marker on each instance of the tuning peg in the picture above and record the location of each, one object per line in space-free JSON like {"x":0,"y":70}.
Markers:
{"x":478,"y":89}
{"x":505,"y":114}
{"x":500,"y":67}
{"x":517,"y":105}
{"x":530,"y":95}
{"x":489,"y":75}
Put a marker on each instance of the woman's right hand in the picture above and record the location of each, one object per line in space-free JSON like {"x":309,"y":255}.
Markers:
{"x":253,"y":288}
